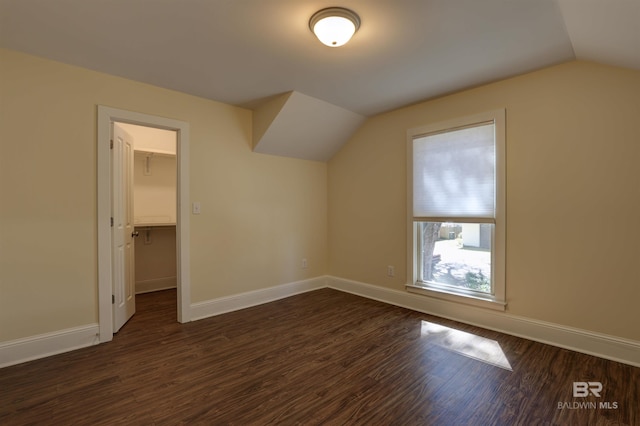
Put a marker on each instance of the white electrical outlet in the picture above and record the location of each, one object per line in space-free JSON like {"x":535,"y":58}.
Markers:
{"x":391,"y":271}
{"x":304,"y":263}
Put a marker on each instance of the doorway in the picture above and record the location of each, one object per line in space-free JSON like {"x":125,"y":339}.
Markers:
{"x":152,"y":192}
{"x":106,"y":276}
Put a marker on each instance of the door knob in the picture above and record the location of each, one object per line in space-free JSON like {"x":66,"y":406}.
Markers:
{"x":135,"y":233}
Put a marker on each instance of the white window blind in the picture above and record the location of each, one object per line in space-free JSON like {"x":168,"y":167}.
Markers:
{"x":454,"y":174}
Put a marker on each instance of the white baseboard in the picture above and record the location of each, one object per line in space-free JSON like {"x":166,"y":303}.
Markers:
{"x":44,"y":345}
{"x":588,"y":342}
{"x":157,"y":284}
{"x":597,"y":344}
{"x":236,"y":302}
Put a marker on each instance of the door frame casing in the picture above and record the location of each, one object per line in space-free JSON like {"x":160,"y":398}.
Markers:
{"x":106,"y":116}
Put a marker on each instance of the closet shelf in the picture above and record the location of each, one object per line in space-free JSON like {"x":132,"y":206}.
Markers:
{"x":152,"y":224}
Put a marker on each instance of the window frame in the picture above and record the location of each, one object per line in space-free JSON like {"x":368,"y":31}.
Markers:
{"x":497,"y":299}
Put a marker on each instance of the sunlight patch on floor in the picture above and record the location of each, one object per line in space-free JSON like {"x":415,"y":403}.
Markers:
{"x":467,"y":344}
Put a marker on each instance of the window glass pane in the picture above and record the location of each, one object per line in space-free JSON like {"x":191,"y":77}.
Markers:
{"x":456,"y":255}
{"x":454,"y":173}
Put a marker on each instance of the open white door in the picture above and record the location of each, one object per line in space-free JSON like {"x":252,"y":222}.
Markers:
{"x":124,"y":296}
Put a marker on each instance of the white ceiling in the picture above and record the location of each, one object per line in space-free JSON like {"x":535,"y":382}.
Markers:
{"x":250,"y":52}
{"x":243,"y":51}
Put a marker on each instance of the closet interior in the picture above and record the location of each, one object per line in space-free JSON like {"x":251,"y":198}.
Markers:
{"x":154,"y":207}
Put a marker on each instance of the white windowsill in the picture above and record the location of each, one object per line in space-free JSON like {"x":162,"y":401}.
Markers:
{"x":480,"y":302}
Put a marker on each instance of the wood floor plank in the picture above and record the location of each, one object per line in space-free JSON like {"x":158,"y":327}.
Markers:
{"x":323,"y":357}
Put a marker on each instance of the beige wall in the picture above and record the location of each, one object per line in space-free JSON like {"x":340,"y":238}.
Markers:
{"x":260,"y":214}
{"x":573,"y":163}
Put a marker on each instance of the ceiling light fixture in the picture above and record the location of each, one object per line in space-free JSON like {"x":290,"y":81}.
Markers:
{"x":334,"y":26}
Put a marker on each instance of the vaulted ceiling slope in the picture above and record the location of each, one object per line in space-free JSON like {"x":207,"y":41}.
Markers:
{"x":299,"y":126}
{"x":244,"y":52}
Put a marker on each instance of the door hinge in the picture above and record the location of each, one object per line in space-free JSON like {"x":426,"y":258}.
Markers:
{"x":111,"y":221}
{"x":113,"y":299}
{"x":111,"y":144}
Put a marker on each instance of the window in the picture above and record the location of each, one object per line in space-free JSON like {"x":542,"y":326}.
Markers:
{"x":456,"y":206}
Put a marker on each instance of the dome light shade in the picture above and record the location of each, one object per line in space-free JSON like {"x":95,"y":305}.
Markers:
{"x":334,"y":26}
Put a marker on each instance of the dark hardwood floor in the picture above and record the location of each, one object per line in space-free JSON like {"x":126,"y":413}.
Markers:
{"x":324,"y":357}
